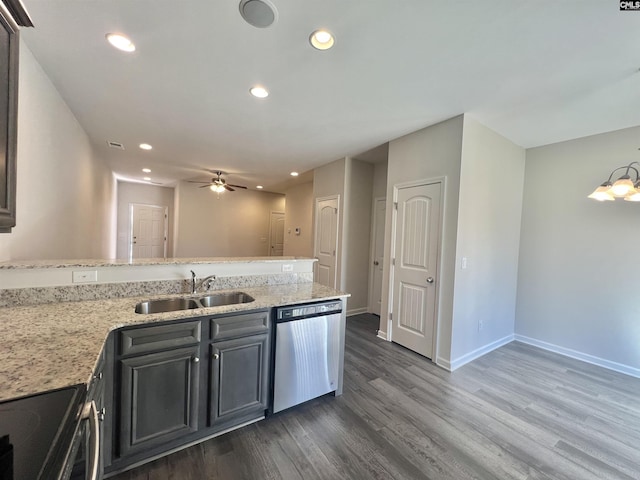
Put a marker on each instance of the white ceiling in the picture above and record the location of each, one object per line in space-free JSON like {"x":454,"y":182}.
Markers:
{"x":537,"y":72}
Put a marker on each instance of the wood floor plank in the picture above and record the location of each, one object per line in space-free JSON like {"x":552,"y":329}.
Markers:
{"x":516,"y":413}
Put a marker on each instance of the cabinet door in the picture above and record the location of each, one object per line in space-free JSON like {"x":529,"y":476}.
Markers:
{"x":158,"y":398}
{"x":239,"y":379}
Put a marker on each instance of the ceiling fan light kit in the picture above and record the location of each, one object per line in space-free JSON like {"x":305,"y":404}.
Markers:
{"x":219,"y":184}
{"x":624,"y":187}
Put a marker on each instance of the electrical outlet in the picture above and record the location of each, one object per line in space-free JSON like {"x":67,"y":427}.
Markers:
{"x":287,"y":267}
{"x":85,"y":276}
{"x":464,"y":263}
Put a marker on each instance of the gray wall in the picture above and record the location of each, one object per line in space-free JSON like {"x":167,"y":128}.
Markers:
{"x":64,"y":191}
{"x":429,"y":153}
{"x":232,"y":224}
{"x":578,"y":278}
{"x":299,"y":214}
{"x":140,"y":193}
{"x":489,"y":212}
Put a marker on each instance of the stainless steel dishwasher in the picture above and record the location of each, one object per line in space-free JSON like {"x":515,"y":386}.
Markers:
{"x":307,"y":352}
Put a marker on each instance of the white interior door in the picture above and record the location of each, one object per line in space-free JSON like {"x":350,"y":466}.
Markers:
{"x":415,"y":276}
{"x":377,"y":255}
{"x":148,"y":231}
{"x":276,"y":234}
{"x":326,"y":240}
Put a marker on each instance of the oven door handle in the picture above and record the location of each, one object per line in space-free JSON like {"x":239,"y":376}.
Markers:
{"x":90,"y":412}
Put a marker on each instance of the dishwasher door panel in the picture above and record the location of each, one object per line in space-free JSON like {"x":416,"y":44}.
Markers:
{"x":306,"y":359}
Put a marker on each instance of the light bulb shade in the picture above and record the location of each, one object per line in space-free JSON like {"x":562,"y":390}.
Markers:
{"x":602,"y":193}
{"x":633,"y":196}
{"x":217,"y":188}
{"x":622,"y":186}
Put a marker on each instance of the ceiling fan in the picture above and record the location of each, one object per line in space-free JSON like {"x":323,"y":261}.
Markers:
{"x":219,"y":184}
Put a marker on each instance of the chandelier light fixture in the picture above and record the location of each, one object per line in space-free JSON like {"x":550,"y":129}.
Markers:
{"x":627,"y":186}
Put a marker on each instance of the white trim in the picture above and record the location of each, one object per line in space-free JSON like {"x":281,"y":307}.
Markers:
{"x":478,"y":352}
{"x":166,"y":227}
{"x":315,"y":238}
{"x":443,"y":363}
{"x":271,"y":214}
{"x":585,"y":357}
{"x":383,"y":335}
{"x":442,"y":180}
{"x":356,"y":311}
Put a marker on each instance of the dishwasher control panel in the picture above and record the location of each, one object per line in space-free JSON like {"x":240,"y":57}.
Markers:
{"x":304,"y":311}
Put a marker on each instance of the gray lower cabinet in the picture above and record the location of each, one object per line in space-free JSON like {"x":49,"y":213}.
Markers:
{"x":158,"y":398}
{"x":164,"y":397}
{"x":240,"y":379}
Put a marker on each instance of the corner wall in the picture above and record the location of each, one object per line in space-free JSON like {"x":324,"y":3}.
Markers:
{"x":64,"y":191}
{"x":577,"y":280}
{"x":489,"y":215}
{"x":432,"y":152}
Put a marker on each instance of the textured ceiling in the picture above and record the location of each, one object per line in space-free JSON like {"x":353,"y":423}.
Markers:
{"x":536,"y":72}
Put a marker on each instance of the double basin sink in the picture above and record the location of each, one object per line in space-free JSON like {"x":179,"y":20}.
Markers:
{"x":187,"y":303}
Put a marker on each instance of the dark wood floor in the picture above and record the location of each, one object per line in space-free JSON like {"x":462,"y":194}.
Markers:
{"x":516,"y":413}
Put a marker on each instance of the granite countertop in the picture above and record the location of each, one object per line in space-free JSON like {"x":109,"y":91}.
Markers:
{"x":44,"y":347}
{"x":89,"y":263}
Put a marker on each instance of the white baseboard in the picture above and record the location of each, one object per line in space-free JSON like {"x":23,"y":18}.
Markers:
{"x":446,"y":364}
{"x":382,"y":335}
{"x":585,"y":357}
{"x":477,"y":353}
{"x":356,"y":311}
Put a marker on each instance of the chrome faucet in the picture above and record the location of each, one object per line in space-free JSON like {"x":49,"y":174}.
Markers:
{"x":206,"y":282}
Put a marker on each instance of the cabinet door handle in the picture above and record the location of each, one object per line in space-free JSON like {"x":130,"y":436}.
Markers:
{"x":101,"y":414}
{"x":216,"y":356}
{"x":196,"y":359}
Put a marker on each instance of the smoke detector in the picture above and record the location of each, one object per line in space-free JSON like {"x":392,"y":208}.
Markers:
{"x":259,"y":13}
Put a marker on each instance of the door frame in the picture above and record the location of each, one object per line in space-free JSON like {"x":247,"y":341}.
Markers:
{"x":372,"y":250}
{"x":394,"y":214}
{"x":166,"y":227}
{"x":269,"y":242}
{"x":316,"y":200}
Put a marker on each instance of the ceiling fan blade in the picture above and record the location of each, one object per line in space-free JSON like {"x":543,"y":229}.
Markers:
{"x":205,"y":186}
{"x":195,"y":181}
{"x":237,"y":186}
{"x":229,"y":188}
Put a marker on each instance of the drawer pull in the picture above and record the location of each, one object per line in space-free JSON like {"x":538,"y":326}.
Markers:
{"x":216,"y":356}
{"x":196,"y":359}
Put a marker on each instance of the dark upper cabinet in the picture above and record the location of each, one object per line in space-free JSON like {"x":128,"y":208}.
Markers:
{"x":9,"y":51}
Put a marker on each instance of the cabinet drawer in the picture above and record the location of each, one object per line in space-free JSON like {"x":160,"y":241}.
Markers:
{"x":240,"y":325}
{"x":159,"y":337}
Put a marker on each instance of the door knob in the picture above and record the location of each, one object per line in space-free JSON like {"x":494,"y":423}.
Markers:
{"x":430,"y":280}
{"x":376,"y":263}
{"x":196,"y":359}
{"x":216,"y":356}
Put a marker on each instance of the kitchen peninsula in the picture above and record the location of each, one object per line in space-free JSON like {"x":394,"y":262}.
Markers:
{"x":61,"y":321}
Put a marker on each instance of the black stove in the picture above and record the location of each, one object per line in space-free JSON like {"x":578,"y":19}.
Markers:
{"x":36,"y":432}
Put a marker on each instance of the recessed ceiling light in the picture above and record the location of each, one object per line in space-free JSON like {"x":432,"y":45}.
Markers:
{"x":294,"y":174}
{"x":147,"y":179}
{"x":121,"y":42}
{"x":259,"y":92}
{"x":145,"y":146}
{"x":259,"y":187}
{"x":146,"y":170}
{"x":321,"y":39}
{"x":259,"y":13}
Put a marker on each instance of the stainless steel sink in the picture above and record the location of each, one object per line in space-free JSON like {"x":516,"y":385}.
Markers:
{"x":219,"y":299}
{"x":166,"y":305}
{"x":181,"y":303}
